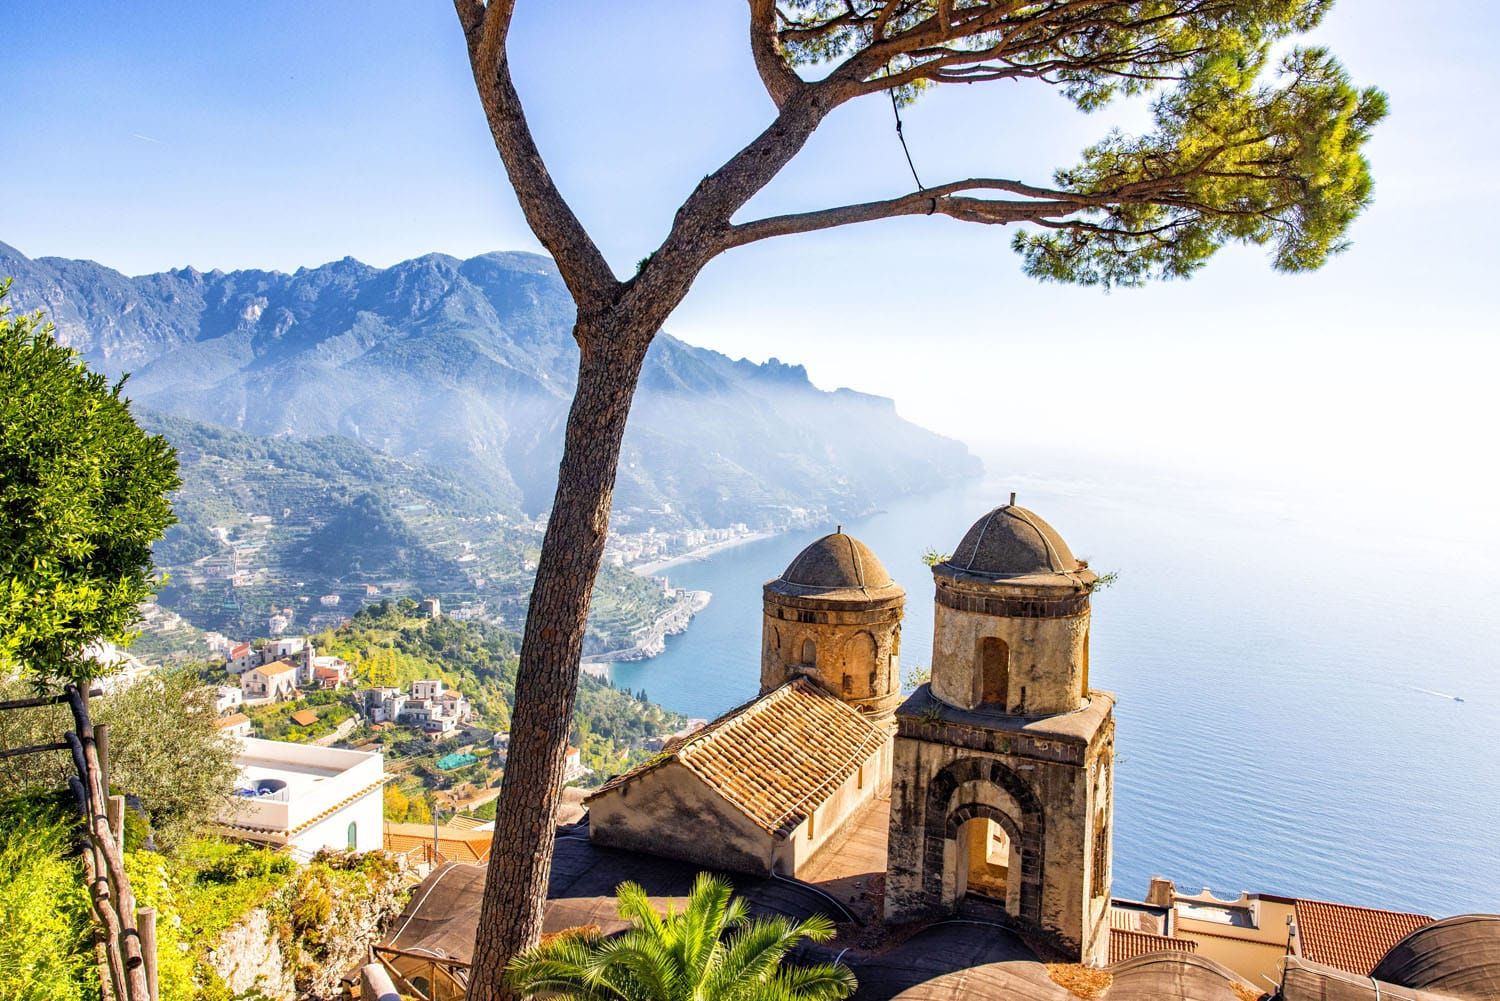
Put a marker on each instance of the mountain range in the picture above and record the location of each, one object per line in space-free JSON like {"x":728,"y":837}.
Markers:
{"x":468,"y":366}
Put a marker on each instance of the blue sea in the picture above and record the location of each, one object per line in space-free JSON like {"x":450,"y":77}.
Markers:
{"x":1289,"y":673}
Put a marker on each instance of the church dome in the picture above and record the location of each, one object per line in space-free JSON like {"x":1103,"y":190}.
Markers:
{"x":1011,"y":542}
{"x":1458,"y":956}
{"x":832,"y":566}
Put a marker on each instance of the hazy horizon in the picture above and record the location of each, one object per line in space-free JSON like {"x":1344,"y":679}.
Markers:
{"x":233,"y":139}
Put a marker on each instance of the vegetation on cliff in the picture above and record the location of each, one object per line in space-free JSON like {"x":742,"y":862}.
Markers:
{"x":389,"y":644}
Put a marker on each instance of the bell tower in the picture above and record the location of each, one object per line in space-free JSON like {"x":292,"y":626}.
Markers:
{"x":834,"y":617}
{"x":1002,"y":792}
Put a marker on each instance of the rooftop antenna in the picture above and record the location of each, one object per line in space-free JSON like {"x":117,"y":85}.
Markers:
{"x":1012,"y":498}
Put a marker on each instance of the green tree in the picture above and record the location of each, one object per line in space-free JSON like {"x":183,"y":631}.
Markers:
{"x":710,"y":951}
{"x":82,"y":498}
{"x":165,"y":750}
{"x":1246,"y":146}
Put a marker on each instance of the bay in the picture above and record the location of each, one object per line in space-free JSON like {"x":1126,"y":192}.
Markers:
{"x":1288,"y":666}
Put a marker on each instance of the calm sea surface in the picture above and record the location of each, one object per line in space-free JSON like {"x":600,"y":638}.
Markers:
{"x":1286,"y":720}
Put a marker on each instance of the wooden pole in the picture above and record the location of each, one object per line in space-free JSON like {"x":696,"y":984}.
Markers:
{"x":101,"y":740}
{"x":145,"y":919}
{"x":115,"y":814}
{"x":113,"y":981}
{"x":113,"y":863}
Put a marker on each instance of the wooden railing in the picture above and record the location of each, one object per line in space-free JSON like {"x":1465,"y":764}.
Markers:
{"x":125,"y":941}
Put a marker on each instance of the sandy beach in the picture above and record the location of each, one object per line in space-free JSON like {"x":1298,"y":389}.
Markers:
{"x":702,"y":552}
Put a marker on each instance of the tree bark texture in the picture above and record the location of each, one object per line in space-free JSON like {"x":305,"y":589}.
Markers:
{"x":547,"y":681}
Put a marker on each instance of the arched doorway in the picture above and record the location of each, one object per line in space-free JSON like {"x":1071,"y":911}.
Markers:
{"x":989,"y":853}
{"x":948,"y":872}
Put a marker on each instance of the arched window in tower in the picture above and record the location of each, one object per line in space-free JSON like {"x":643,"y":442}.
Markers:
{"x":860,"y":654}
{"x":994,"y":671}
{"x":809,"y":653}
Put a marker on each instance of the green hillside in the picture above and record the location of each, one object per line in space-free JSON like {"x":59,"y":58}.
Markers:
{"x":269,"y":525}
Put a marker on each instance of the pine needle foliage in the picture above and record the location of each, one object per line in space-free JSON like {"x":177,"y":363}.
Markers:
{"x":711,"y":950}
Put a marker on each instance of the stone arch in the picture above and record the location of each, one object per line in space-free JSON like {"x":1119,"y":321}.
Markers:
{"x":859,"y":653}
{"x":941,"y":826}
{"x":960,"y":816}
{"x":809,"y":653}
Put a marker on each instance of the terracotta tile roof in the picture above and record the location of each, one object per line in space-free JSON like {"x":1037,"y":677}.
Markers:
{"x":1349,"y":938}
{"x":233,"y":719}
{"x":454,"y":844}
{"x":304,"y":717}
{"x":776,"y":757}
{"x":464,"y":822}
{"x":276,"y":667}
{"x":1125,"y":944}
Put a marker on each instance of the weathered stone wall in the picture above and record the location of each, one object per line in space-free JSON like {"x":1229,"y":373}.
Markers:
{"x":856,"y":648}
{"x":829,"y":818}
{"x":1039,"y":785}
{"x":1047,"y":650}
{"x":672,"y":812}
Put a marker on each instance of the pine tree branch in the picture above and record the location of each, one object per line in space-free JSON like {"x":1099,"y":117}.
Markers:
{"x":582,"y":266}
{"x":780,"y":79}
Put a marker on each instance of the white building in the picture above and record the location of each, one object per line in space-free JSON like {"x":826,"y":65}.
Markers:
{"x":274,"y":682}
{"x":306,"y":798}
{"x":234,"y":725}
{"x":124,"y":670}
{"x":331,"y":672}
{"x":227,"y":697}
{"x":241,"y":658}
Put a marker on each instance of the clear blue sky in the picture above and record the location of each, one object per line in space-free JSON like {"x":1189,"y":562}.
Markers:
{"x":287,"y":134}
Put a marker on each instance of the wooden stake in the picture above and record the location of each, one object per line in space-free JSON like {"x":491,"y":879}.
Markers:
{"x":115,"y":813}
{"x":101,"y":741}
{"x":145,"y":920}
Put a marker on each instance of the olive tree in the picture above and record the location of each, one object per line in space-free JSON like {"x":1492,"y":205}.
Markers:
{"x":1253,"y":140}
{"x":82,"y":498}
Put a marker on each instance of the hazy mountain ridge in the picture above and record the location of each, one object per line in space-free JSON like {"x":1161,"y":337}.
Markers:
{"x":470,"y":365}
{"x":267,"y":525}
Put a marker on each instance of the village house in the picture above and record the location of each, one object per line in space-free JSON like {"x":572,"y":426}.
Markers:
{"x":241,"y":658}
{"x":234,"y":725}
{"x":1254,"y":933}
{"x":573,"y":766}
{"x":431,"y":707}
{"x":227,"y":697}
{"x":273,"y":682}
{"x":304,"y":798}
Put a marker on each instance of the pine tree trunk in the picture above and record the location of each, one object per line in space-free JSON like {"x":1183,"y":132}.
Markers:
{"x":515,"y":889}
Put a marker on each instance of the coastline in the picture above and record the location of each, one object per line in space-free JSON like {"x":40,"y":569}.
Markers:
{"x":702,"y":552}
{"x":653,"y":640}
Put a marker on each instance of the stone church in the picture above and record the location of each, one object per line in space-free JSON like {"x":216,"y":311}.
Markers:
{"x":998,"y":771}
